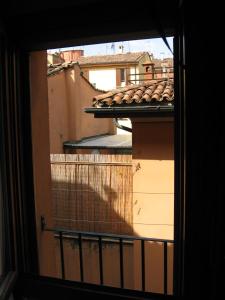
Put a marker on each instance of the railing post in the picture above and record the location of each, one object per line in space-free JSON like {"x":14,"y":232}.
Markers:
{"x":62,"y":254}
{"x":81,"y":257}
{"x":100,"y":259}
{"x":121,"y":264}
{"x":165,"y":268}
{"x":143,"y":264}
{"x":120,"y":238}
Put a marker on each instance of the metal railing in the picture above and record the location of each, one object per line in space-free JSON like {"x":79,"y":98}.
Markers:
{"x":157,"y":73}
{"x":102,"y":237}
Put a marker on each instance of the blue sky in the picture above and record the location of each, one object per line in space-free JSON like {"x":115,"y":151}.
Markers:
{"x":155,"y":46}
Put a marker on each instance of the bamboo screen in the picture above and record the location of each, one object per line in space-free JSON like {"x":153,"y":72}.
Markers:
{"x":92,"y":192}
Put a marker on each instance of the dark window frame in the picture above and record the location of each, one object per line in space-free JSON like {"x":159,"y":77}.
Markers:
{"x":123,"y":75}
{"x":22,"y":131}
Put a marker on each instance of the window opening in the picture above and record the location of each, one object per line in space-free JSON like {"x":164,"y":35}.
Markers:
{"x":109,"y":219}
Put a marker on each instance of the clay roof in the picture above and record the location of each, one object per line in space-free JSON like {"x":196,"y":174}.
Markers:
{"x":151,"y":92}
{"x":131,"y":57}
{"x":55,"y":68}
{"x":98,"y":59}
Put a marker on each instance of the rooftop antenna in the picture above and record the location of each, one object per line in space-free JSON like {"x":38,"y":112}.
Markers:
{"x":150,"y":46}
{"x":128,"y":44}
{"x":162,"y":55}
{"x":113,"y":48}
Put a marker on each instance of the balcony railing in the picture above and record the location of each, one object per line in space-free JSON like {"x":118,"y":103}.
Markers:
{"x":157,"y":73}
{"x":101,"y":238}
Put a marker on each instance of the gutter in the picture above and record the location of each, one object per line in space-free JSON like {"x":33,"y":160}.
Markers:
{"x":132,"y":111}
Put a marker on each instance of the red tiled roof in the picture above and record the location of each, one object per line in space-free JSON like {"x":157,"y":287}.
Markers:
{"x":130,"y":57}
{"x":56,"y":68}
{"x":150,"y":92}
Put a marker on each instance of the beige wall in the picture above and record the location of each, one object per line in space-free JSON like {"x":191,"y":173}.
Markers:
{"x":41,"y":161}
{"x":68,"y":94}
{"x":153,"y":182}
{"x":153,"y":197}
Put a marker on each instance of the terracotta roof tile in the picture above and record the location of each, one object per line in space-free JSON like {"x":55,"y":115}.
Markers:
{"x":56,"y":68}
{"x":161,"y":91}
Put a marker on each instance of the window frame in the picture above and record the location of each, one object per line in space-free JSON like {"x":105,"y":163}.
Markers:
{"x":26,"y":175}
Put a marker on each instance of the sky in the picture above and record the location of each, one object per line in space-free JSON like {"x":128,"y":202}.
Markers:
{"x":155,"y":46}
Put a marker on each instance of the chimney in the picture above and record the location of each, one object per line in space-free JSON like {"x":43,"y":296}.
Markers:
{"x":71,"y":55}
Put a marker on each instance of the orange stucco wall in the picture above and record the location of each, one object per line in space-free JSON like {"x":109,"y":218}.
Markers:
{"x":153,"y":197}
{"x":153,"y":181}
{"x":41,"y":161}
{"x":68,"y":94}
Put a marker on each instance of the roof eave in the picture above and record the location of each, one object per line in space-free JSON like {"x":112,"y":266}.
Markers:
{"x":68,"y":146}
{"x":131,"y":112}
{"x":87,"y":65}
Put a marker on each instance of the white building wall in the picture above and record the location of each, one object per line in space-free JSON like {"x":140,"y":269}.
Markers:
{"x":104,"y":79}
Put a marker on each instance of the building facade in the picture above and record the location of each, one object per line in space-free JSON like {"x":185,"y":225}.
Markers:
{"x":69,"y":92}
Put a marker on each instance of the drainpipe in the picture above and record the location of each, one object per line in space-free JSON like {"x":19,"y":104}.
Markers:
{"x":115,"y":121}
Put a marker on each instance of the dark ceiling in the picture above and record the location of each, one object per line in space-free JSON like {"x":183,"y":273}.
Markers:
{"x":68,"y":23}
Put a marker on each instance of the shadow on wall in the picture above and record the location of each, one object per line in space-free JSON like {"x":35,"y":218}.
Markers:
{"x":99,"y":208}
{"x":153,"y":141}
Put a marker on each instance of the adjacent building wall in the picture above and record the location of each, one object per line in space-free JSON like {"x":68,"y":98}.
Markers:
{"x":68,"y":94}
{"x":153,"y":182}
{"x":141,"y":68}
{"x":107,"y":77}
{"x":153,"y":198}
{"x":41,"y":161}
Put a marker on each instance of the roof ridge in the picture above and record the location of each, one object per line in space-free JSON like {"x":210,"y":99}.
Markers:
{"x":59,"y":67}
{"x":138,"y":52}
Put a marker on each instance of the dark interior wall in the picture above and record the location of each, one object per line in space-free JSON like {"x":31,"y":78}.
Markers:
{"x":204,"y":262}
